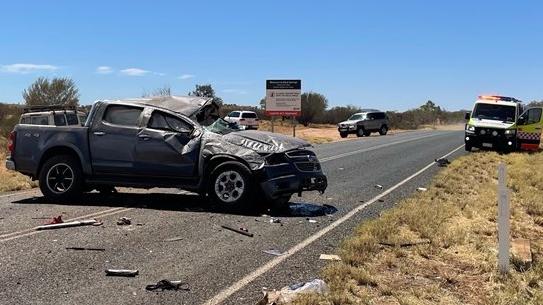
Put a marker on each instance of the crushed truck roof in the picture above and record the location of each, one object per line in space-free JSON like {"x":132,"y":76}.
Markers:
{"x":186,"y":105}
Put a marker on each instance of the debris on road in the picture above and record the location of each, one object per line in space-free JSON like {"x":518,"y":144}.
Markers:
{"x":122,"y":272}
{"x":238,"y":231}
{"x":168,"y":285}
{"x":275,"y":220}
{"x":341,"y":168}
{"x":124,"y":221}
{"x":442,"y":162}
{"x":406,"y":244}
{"x":98,"y":223}
{"x":85,"y":249}
{"x":311,"y":210}
{"x":273,"y":252}
{"x":380,"y":200}
{"x":378,"y":186}
{"x":330,"y":257}
{"x":174,"y":239}
{"x":422,"y":189}
{"x":311,"y":220}
{"x":55,"y":220}
{"x":76,"y":223}
{"x":288,"y":293}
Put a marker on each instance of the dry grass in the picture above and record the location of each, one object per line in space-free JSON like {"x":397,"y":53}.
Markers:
{"x":10,"y":180}
{"x":458,"y":215}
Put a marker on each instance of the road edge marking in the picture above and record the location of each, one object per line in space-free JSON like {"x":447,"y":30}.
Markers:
{"x":32,"y":231}
{"x":227,"y":292}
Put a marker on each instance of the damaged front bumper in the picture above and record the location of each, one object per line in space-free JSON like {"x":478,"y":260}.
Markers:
{"x":298,"y":172}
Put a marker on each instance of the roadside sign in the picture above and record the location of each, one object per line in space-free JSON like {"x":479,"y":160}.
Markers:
{"x":283,"y":97}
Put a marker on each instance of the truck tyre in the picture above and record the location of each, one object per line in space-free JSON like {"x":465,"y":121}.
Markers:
{"x":360,"y":132}
{"x":467,"y":147}
{"x":231,"y":186}
{"x":367,"y":133}
{"x":383,"y":130}
{"x":61,"y":178}
{"x":343,"y":134}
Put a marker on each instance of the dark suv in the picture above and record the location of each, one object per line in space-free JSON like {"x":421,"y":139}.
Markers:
{"x":165,"y":142}
{"x":364,"y":123}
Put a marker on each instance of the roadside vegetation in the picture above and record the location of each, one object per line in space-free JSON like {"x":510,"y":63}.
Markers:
{"x":458,"y":216}
{"x":10,"y":180}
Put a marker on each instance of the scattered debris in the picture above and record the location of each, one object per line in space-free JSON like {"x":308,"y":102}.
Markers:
{"x":311,"y":210}
{"x":98,"y":223}
{"x":238,"y":231}
{"x":174,"y":239}
{"x":288,"y":293}
{"x":442,"y":162}
{"x":43,"y":217}
{"x":275,"y":220}
{"x":379,"y":186}
{"x":406,"y":244}
{"x":85,"y":249}
{"x":341,"y":168}
{"x":380,"y":200}
{"x":121,"y":272}
{"x":168,"y":285}
{"x":273,"y":252}
{"x":55,"y":220}
{"x":124,"y":221}
{"x":521,"y":254}
{"x":244,"y":229}
{"x":312,"y":221}
{"x":67,"y":224}
{"x":330,"y":257}
{"x":422,"y":189}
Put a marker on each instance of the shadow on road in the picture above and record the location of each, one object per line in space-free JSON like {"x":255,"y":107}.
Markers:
{"x":182,"y":203}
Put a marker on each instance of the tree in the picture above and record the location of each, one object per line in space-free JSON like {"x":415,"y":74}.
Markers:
{"x":163,"y":91}
{"x":313,"y":105}
{"x":57,"y":91}
{"x":206,"y":91}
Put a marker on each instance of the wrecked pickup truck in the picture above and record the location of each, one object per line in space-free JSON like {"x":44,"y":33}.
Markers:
{"x":165,"y":142}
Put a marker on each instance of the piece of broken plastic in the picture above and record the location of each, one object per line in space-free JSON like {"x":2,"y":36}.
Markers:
{"x":289,"y":293}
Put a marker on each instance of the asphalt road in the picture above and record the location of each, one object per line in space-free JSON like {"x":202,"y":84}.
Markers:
{"x":220,"y":266}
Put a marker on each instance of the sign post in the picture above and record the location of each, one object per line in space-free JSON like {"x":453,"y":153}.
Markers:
{"x":503,"y":221}
{"x":283,"y":98}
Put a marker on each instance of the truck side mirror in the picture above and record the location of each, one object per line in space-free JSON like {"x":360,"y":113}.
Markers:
{"x":467,"y":115}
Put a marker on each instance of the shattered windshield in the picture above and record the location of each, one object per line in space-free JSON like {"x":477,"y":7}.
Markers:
{"x":494,"y":112}
{"x":223,"y":127}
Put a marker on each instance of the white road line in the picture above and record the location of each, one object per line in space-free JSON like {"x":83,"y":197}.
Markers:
{"x":224,"y":294}
{"x":354,"y":152}
{"x":32,"y":231}
{"x":17,"y":193}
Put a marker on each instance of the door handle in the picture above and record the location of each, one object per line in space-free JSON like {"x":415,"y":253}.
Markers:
{"x":99,"y":133}
{"x":144,"y":137}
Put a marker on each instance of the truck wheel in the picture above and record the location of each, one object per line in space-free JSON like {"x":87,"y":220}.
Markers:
{"x":343,"y":134}
{"x":61,"y":178}
{"x":231,"y":185}
{"x":383,"y":131}
{"x":467,"y":147}
{"x":360,"y":132}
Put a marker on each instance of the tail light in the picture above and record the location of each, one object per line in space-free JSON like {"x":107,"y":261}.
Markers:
{"x":11,"y":141}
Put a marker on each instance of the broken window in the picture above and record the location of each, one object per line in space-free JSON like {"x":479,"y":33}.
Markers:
{"x":163,"y":121}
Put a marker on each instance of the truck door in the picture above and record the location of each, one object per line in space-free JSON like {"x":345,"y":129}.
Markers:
{"x":113,"y":139}
{"x":529,"y":127}
{"x":166,"y":148}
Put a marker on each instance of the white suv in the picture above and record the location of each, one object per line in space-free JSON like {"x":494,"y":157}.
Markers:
{"x":245,"y":119}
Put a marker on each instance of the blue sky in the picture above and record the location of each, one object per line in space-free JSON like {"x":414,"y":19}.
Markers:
{"x":392,"y":55}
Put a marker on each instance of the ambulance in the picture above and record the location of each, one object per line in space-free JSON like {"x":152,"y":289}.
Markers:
{"x":501,"y":123}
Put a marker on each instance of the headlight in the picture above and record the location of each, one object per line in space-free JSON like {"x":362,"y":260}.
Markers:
{"x":510,"y":131}
{"x":470,"y":128}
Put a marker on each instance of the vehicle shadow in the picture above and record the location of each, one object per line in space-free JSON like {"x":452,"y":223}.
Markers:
{"x":183,"y":203}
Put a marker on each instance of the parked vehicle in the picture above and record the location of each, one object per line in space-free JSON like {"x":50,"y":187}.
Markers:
{"x":245,"y":119}
{"x":364,"y":123}
{"x":52,"y":115}
{"x":501,"y":123}
{"x":165,"y":142}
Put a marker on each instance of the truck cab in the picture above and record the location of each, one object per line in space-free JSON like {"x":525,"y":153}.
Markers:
{"x":503,"y":123}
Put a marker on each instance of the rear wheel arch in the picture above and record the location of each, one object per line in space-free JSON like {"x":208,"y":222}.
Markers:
{"x":57,"y":151}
